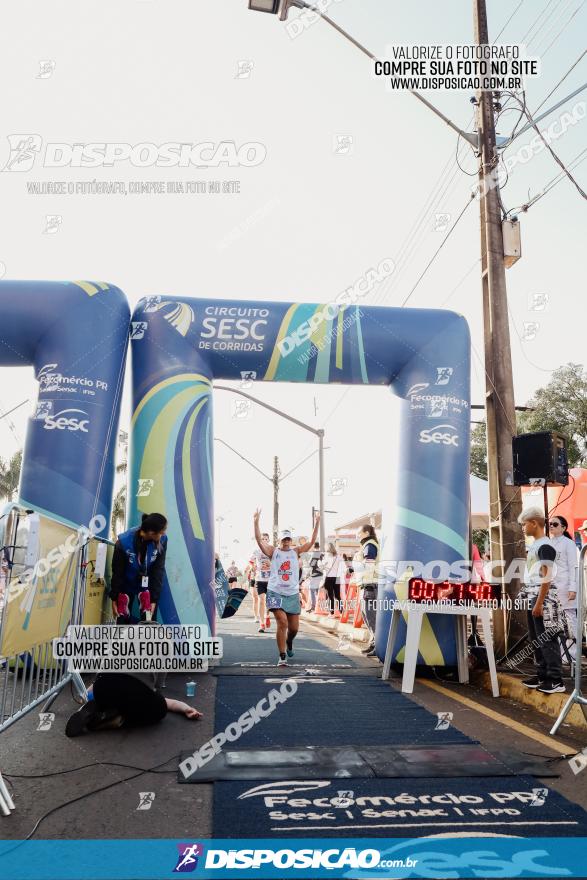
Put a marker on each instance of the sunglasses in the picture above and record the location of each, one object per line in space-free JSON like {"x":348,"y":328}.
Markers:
{"x":554,"y":525}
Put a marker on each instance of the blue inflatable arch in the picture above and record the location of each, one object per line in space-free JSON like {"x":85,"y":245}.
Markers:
{"x":74,"y":334}
{"x":181,"y":345}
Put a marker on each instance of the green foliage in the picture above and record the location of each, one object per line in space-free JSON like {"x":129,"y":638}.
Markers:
{"x":480,"y":537}
{"x":562,"y":406}
{"x":479,"y":451}
{"x":10,"y":476}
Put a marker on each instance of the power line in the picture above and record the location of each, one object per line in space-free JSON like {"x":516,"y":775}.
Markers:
{"x":463,"y":279}
{"x":444,"y":241}
{"x":551,"y":151}
{"x":551,"y":184}
{"x":564,"y":27}
{"x":18,"y":406}
{"x":532,"y":26}
{"x":561,"y":80}
{"x":521,"y":3}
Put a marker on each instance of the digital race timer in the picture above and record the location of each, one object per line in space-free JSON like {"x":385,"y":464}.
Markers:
{"x":420,"y":590}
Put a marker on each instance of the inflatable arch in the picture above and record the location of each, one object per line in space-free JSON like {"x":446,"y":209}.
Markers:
{"x":181,"y":345}
{"x":75,"y":336}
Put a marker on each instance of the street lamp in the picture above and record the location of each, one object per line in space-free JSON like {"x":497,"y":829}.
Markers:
{"x":275,"y":7}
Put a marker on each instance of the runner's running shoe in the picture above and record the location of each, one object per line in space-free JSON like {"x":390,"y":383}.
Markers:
{"x":267,"y":622}
{"x":282,"y":661}
{"x":261,"y":629}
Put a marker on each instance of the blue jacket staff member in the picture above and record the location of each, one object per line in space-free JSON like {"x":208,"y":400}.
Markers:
{"x":138,"y":568}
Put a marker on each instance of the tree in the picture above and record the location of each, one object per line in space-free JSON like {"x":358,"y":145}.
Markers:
{"x":118,"y":511}
{"x":562,"y":406}
{"x":479,"y":451}
{"x":119,"y":501}
{"x":10,"y":476}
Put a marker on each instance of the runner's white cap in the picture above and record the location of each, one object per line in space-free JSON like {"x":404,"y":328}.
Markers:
{"x":285,"y":534}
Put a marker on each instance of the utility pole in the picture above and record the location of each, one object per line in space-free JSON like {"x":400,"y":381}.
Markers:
{"x":504,"y":505}
{"x":276,"y":475}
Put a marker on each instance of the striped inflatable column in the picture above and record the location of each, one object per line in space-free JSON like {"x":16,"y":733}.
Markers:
{"x":172,"y":456}
{"x":430,"y":517}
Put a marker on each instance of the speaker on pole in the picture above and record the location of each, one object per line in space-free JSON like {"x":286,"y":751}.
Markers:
{"x":540,"y":458}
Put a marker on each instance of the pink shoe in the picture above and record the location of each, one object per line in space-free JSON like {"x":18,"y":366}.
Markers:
{"x":122,"y":608}
{"x":145,"y":604}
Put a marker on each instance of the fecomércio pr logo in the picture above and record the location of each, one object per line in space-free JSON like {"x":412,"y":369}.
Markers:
{"x":187,"y":860}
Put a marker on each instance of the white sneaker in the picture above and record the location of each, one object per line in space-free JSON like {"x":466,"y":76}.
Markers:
{"x":281,"y":662}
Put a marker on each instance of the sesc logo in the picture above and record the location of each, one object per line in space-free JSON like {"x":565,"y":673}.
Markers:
{"x":64,"y":421}
{"x":439,"y":437}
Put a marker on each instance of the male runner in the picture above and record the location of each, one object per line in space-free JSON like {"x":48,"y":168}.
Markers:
{"x":262,"y":570}
{"x":283,"y":590}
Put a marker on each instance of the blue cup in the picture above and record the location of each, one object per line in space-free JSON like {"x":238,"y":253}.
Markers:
{"x":190,"y":689}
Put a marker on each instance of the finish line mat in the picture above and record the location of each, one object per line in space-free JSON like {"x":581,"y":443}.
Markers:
{"x":362,"y":762}
{"x":329,"y":710}
{"x":395,"y":808}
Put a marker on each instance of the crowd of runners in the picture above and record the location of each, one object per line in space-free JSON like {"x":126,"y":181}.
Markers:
{"x":285,"y":578}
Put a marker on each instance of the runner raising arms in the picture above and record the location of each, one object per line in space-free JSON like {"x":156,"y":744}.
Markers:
{"x":283,"y":591}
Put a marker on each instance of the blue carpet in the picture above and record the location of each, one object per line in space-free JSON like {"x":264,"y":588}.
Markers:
{"x":372,"y":714}
{"x":394,"y":808}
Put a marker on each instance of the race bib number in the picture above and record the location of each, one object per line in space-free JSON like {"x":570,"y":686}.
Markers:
{"x":273,"y":602}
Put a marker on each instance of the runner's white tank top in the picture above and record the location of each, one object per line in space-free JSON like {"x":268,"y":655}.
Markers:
{"x":285,"y":574}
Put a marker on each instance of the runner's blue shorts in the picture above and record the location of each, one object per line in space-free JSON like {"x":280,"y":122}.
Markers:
{"x":289,"y":604}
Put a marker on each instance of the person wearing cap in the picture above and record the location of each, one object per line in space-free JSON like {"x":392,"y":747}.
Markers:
{"x":543,"y":607}
{"x":582,"y":529}
{"x":283,"y":589}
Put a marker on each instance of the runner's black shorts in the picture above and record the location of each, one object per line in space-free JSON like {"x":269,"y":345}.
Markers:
{"x":262,"y":587}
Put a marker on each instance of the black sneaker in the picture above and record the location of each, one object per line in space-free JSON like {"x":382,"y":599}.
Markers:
{"x":552,"y":687}
{"x":78,"y":722}
{"x":533,"y":682}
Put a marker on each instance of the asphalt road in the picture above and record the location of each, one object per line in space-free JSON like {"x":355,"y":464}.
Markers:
{"x":75,"y":789}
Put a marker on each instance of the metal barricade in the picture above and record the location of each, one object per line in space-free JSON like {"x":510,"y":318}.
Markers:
{"x":577,"y":695}
{"x":30,"y":589}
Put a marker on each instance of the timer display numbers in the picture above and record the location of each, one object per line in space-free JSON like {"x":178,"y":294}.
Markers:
{"x":420,"y":590}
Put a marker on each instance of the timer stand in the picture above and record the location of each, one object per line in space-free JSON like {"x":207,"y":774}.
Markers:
{"x":415,"y":613}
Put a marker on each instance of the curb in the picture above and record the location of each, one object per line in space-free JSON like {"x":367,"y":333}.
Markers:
{"x":547,"y":704}
{"x":333,"y":625}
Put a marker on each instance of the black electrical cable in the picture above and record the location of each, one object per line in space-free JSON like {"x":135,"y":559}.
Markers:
{"x":562,"y":500}
{"x":444,"y":240}
{"x":86,"y":767}
{"x":556,"y":158}
{"x":82,"y":797}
